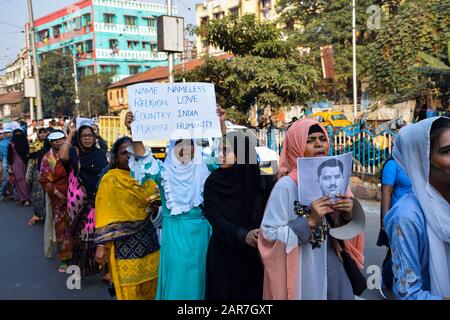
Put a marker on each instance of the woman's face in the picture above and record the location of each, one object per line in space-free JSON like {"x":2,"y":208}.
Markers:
{"x":440,"y":159}
{"x":184,"y":151}
{"x":226,"y":155}
{"x":87,"y":139}
{"x":56,"y":144}
{"x":317,"y":145}
{"x":123,"y":156}
{"x":42,"y":135}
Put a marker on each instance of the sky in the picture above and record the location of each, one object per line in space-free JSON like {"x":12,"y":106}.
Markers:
{"x":14,"y":15}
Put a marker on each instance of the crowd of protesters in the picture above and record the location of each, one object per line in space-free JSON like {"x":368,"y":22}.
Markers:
{"x":227,"y":232}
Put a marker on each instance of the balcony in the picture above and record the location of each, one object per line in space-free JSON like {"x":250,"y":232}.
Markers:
{"x":130,"y":55}
{"x":122,"y":28}
{"x":133,"y":5}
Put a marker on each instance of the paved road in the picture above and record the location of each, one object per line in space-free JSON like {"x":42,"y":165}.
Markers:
{"x":26,"y":274}
{"x":24,"y":271}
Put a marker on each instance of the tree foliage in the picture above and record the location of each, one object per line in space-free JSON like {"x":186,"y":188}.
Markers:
{"x":93,"y":99}
{"x":420,"y":27}
{"x":57,"y":84}
{"x":266,"y":69}
{"x":325,"y":22}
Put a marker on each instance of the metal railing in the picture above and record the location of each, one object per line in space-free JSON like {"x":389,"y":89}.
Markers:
{"x":369,"y":150}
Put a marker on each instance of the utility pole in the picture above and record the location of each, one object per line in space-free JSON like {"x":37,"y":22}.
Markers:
{"x":355,"y":86}
{"x":35,"y":61}
{"x":30,"y":67}
{"x":170,"y":54}
{"x":75,"y":77}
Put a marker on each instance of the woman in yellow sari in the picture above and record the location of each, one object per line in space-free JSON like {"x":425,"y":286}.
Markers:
{"x":125,"y":235}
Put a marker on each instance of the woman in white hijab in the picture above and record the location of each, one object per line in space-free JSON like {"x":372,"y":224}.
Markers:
{"x":185,"y":230}
{"x":418,"y":226}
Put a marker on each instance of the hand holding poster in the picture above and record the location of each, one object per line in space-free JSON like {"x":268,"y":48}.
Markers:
{"x":173,"y":111}
{"x":323,"y":176}
{"x":329,"y":176}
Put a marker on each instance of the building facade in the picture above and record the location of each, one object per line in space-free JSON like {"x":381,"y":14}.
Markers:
{"x":15,"y":73}
{"x":116,"y":36}
{"x":264,"y":10}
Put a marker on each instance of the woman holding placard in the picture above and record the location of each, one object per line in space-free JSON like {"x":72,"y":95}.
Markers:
{"x":301,"y":262}
{"x":185,"y":230}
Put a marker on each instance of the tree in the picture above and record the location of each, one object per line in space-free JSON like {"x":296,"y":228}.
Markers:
{"x":57,"y":84}
{"x":93,"y":99}
{"x":325,"y":22}
{"x":420,"y":27}
{"x":266,"y":69}
{"x":246,"y":36}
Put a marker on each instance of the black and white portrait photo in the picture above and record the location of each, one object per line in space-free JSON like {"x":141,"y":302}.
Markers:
{"x":323,"y":176}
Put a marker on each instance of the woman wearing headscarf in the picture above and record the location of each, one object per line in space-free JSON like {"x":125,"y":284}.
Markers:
{"x":418,"y":226}
{"x":301,"y":264}
{"x":54,"y":179}
{"x":235,"y":197}
{"x":37,"y":150}
{"x":86,"y":163}
{"x":125,"y":235}
{"x":4,"y":143}
{"x":17,"y":162}
{"x":185,"y":230}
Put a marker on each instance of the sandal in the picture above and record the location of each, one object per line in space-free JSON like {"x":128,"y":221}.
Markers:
{"x":34,"y":220}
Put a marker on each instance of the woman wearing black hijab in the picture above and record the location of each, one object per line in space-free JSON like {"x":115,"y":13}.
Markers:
{"x":18,"y":150}
{"x":234,"y":198}
{"x":86,"y":163}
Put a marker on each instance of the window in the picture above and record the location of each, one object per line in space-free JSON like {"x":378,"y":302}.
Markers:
{"x":43,"y":35}
{"x":87,"y":19}
{"x":132,"y":44}
{"x":89,"y":70}
{"x":109,"y":68}
{"x":130,"y":20}
{"x":149,"y":21}
{"x":134,"y":69}
{"x":88,"y":46}
{"x":266,"y":6}
{"x":154,"y":47}
{"x":145,"y":45}
{"x":218,"y":15}
{"x":234,"y":12}
{"x":56,"y":31}
{"x":114,"y":44}
{"x":109,"y":18}
{"x":204,"y":20}
{"x":77,"y":23}
{"x":110,"y":93}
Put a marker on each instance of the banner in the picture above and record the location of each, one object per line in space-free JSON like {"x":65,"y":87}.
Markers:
{"x":173,"y":111}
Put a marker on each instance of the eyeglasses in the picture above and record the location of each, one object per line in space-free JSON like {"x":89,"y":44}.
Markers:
{"x":88,"y":135}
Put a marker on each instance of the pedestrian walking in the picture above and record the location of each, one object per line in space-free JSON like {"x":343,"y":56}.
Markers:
{"x":37,"y":149}
{"x":300,"y":262}
{"x":86,"y":163}
{"x":185,"y":230}
{"x":418,"y":226}
{"x":235,"y":196}
{"x":17,"y":162}
{"x":54,"y":178}
{"x":125,"y":235}
{"x":394,"y":184}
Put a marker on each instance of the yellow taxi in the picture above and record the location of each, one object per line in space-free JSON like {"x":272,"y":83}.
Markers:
{"x":336,"y":119}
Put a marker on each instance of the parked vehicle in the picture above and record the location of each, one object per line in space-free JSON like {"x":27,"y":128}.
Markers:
{"x":334,"y":119}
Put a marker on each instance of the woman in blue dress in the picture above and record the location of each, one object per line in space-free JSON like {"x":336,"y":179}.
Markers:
{"x":185,"y":230}
{"x":418,"y":226}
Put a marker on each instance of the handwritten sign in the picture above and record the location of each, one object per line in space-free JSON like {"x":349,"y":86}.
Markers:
{"x":173,"y":111}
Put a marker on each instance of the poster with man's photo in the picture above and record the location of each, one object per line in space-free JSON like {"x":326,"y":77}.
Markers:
{"x":323,"y":176}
